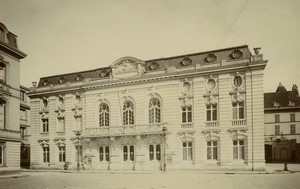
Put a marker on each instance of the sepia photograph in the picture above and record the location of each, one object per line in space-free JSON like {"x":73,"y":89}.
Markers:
{"x":161,"y":94}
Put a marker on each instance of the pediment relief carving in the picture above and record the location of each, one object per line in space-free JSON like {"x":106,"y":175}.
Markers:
{"x":127,"y":67}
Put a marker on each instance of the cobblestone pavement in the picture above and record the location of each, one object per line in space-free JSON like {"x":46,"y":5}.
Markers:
{"x":181,"y":180}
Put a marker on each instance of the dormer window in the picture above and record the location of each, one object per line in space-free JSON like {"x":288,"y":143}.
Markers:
{"x":45,"y":83}
{"x":276,"y":104}
{"x":236,"y":54}
{"x":78,"y":77}
{"x":154,"y":66}
{"x":61,"y":80}
{"x":210,"y":58}
{"x":186,"y":61}
{"x":291,"y":103}
{"x":103,"y":73}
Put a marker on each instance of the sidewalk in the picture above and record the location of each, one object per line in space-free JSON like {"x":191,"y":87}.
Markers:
{"x":270,"y":169}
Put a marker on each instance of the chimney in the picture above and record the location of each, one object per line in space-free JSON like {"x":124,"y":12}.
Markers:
{"x":295,"y":90}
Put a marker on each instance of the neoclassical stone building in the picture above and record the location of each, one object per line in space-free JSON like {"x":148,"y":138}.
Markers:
{"x":10,"y":139}
{"x":194,"y":111}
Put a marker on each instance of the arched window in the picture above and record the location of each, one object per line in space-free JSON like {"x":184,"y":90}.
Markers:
{"x":154,"y":111}
{"x":2,"y":113}
{"x":103,"y":115}
{"x":128,"y":113}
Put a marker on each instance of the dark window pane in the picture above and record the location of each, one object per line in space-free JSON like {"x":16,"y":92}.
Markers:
{"x":158,"y":152}
{"x":151,"y":152}
{"x":107,"y":153}
{"x":125,"y":153}
{"x":132,"y":153}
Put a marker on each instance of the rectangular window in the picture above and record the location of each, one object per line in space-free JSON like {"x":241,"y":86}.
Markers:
{"x":277,"y":118}
{"x":187,"y":114}
{"x":211,"y":113}
{"x":2,"y":74}
{"x":238,"y":110}
{"x":45,"y":125}
{"x":238,"y":149}
{"x":23,"y":114}
{"x":128,"y":153}
{"x":22,"y":96}
{"x":46,"y":155}
{"x":62,"y":154}
{"x":104,"y":153}
{"x":293,"y":129}
{"x":212,"y":150}
{"x":187,"y":151}
{"x":2,"y":116}
{"x":277,"y":129}
{"x":22,"y":132}
{"x":292,"y":116}
{"x":2,"y":154}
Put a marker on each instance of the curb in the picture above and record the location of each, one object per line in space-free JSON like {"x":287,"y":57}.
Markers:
{"x":12,"y":176}
{"x":168,"y":172}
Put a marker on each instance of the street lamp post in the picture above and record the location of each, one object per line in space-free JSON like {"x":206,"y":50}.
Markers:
{"x":78,"y":150}
{"x":164,"y":130}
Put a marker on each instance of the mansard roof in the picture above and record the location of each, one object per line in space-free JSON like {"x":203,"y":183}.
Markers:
{"x":282,"y":99}
{"x":182,"y":62}
{"x":8,"y":42}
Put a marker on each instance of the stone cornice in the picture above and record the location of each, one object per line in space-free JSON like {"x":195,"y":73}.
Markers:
{"x":12,"y":50}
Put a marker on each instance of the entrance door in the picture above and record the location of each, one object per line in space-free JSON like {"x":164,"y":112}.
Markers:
{"x":128,"y":157}
{"x":284,"y":154}
{"x":104,"y":157}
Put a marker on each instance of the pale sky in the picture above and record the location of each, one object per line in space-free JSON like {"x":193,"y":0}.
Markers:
{"x":63,"y":36}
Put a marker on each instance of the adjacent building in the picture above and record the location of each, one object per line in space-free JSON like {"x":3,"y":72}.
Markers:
{"x":282,"y":125}
{"x":24,"y":127}
{"x":10,"y":57}
{"x":193,"y":111}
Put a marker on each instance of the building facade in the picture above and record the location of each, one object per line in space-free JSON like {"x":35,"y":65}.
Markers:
{"x":194,"y":111}
{"x":10,"y":57}
{"x":282,"y":125}
{"x":24,"y":127}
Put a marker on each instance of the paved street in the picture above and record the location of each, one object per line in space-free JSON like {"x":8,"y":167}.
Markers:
{"x":183,"y":180}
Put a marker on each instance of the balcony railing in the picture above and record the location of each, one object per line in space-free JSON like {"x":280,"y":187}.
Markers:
{"x":124,"y":130}
{"x":239,"y":122}
{"x":187,"y":125}
{"x":212,"y":124}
